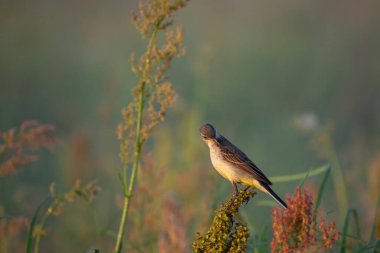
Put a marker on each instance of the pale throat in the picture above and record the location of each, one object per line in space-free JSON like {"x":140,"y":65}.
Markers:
{"x":214,"y":150}
{"x":211,"y":142}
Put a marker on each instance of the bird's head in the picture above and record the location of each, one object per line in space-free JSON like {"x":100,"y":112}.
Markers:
{"x":207,"y":132}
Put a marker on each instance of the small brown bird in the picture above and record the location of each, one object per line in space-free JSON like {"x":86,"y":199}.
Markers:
{"x":234,"y":165}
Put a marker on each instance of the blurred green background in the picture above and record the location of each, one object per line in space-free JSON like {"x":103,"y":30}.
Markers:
{"x":260,"y":71}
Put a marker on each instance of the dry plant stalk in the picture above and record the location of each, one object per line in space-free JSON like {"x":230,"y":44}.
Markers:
{"x":18,"y":146}
{"x":225,"y":233}
{"x":153,"y":93}
{"x":295,"y":229}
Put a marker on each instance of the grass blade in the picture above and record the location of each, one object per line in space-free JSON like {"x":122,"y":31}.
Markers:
{"x":300,"y":176}
{"x":377,"y":247}
{"x":32,"y":224}
{"x":305,"y":178}
{"x":375,"y":221}
{"x":322,"y":188}
{"x":354,"y":213}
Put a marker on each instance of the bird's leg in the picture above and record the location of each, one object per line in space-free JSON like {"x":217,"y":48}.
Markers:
{"x":246,"y":188}
{"x":234,"y":195}
{"x":236,"y":191}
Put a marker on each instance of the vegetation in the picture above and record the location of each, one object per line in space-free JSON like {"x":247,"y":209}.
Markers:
{"x":161,"y":195}
{"x":226,"y":234}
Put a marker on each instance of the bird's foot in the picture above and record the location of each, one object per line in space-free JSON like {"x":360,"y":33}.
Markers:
{"x":246,"y":189}
{"x":232,"y":200}
{"x":233,"y":197}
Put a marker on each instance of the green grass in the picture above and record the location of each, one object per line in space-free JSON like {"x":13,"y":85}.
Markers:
{"x":29,"y":240}
{"x":300,"y":176}
{"x":322,"y":188}
{"x":345,"y":233}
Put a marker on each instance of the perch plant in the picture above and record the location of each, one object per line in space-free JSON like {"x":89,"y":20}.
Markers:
{"x":226,"y":233}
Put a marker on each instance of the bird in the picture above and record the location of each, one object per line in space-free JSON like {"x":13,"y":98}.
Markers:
{"x":234,"y":165}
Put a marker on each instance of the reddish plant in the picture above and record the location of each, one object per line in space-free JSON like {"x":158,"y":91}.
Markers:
{"x":17,"y":145}
{"x":329,"y":234}
{"x":295,"y":228}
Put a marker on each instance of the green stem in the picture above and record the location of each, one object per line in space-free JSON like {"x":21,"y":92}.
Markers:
{"x":338,"y":179}
{"x":299,"y":176}
{"x":138,"y":145}
{"x":128,"y":196}
{"x":32,"y":226}
{"x":124,"y":180}
{"x":354,"y":213}
{"x":43,"y":222}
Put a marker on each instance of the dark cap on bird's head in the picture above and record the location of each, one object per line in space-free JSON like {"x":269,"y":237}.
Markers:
{"x":207,"y":131}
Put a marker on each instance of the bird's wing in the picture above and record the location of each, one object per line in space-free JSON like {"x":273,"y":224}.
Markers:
{"x":234,"y":155}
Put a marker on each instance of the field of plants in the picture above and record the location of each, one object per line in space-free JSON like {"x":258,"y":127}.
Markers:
{"x":102,"y":102}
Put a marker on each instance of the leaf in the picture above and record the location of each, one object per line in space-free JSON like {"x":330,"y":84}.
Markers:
{"x":322,"y":188}
{"x":375,"y":222}
{"x":300,"y":176}
{"x":354,"y":213}
{"x":32,"y":225}
{"x":305,"y":178}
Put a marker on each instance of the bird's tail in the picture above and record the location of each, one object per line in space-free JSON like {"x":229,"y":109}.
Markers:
{"x":274,"y":195}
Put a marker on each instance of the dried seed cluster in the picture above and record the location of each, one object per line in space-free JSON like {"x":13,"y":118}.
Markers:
{"x":225,"y":233}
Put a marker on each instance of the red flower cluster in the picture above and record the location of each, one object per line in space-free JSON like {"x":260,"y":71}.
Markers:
{"x":295,"y":229}
{"x":329,"y":234}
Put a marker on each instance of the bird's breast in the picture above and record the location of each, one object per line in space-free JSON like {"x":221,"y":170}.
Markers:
{"x":225,"y":168}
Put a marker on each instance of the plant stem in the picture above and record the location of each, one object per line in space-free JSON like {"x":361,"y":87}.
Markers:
{"x":43,"y":222}
{"x":32,"y":226}
{"x":128,"y":196}
{"x":338,"y":179}
{"x":138,"y":143}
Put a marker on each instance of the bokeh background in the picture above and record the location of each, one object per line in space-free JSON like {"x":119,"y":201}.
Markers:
{"x":272,"y":76}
